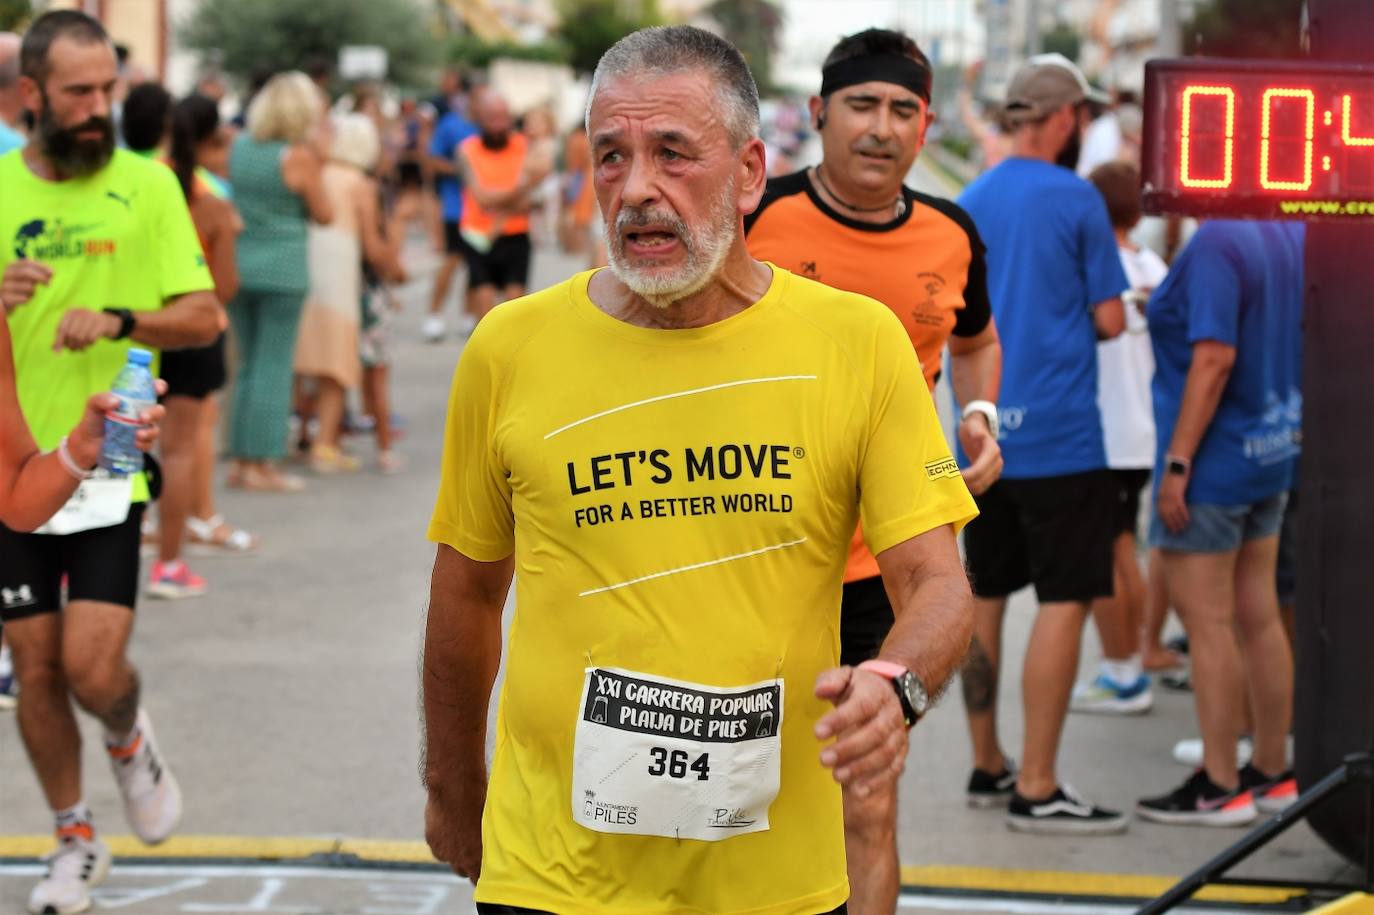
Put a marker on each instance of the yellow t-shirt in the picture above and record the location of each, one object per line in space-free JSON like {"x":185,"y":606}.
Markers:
{"x":679,"y":503}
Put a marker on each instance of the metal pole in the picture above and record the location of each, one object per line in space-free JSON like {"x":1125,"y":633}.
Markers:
{"x":1170,"y":43}
{"x":1032,"y":27}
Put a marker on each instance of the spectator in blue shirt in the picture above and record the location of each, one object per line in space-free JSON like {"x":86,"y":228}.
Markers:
{"x":1226,"y":327}
{"x":1055,"y":280}
{"x":11,"y":106}
{"x":451,"y":130}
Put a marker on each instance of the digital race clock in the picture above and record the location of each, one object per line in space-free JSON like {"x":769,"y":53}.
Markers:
{"x":1259,"y":139}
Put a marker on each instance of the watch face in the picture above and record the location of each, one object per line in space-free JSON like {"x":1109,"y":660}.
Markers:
{"x":915,"y":692}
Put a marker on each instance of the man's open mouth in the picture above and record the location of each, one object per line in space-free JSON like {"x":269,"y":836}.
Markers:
{"x":651,"y":238}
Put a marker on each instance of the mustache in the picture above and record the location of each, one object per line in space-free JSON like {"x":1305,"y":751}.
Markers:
{"x":634,"y":217}
{"x":104,"y":125}
{"x":877,"y":147}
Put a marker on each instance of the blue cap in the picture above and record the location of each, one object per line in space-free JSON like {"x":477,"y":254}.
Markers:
{"x":140,"y":356}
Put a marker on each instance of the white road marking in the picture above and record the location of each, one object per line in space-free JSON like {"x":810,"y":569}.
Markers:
{"x":693,"y":567}
{"x":407,"y":900}
{"x":262,"y":901}
{"x":386,"y":885}
{"x":675,"y":394}
{"x":122,"y":897}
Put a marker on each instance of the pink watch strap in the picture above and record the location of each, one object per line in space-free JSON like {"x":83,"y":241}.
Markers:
{"x":887,"y":669}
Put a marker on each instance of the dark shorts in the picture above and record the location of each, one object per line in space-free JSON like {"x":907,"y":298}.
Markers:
{"x":196,"y":373}
{"x":100,"y":565}
{"x":865,"y":620}
{"x":1129,"y":484}
{"x":506,"y":264}
{"x":493,"y":908}
{"x":409,"y":174}
{"x":454,"y":246}
{"x":1053,"y":532}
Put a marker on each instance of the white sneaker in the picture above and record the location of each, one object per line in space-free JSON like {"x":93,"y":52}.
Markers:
{"x":77,"y":865}
{"x":152,"y":798}
{"x":433,"y":328}
{"x":466,"y":325}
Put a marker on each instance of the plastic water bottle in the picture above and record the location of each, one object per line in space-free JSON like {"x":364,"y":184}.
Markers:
{"x":134,"y":387}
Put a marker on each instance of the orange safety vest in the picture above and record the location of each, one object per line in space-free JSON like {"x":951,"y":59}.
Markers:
{"x":495,"y":170}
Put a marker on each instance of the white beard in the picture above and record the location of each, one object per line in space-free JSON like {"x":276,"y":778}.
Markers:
{"x":706,"y":249}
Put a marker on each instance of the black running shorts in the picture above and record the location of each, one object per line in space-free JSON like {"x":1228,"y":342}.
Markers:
{"x":506,"y":264}
{"x":453,"y":240}
{"x":1053,"y":532}
{"x":1129,"y":483}
{"x":195,"y":373}
{"x":100,"y":565}
{"x":865,"y":620}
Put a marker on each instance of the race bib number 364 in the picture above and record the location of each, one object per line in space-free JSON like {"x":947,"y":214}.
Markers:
{"x":659,"y":757}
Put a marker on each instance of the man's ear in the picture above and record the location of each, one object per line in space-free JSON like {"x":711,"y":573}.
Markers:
{"x":926,"y":121}
{"x":753,"y":176}
{"x":30,"y":94}
{"x":817,"y":106}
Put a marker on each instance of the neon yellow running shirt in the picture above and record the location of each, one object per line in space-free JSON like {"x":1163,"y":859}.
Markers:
{"x":121,"y":238}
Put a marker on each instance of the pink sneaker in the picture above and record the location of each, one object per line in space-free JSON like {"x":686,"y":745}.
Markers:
{"x":174,"y":580}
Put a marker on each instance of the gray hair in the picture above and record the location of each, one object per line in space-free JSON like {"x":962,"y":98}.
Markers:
{"x":663,"y":50}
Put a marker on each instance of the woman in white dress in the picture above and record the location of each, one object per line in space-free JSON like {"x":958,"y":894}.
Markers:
{"x":327,"y":346}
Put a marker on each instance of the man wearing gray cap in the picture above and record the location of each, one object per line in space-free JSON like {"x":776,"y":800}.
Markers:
{"x":1055,"y":281}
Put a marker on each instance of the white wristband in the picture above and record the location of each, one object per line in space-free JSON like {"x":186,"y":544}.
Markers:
{"x":64,"y":457}
{"x":985,"y":407}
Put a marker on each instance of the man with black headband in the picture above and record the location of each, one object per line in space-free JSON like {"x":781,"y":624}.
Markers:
{"x":852,"y":224}
{"x":1055,"y":281}
{"x":99,"y":253}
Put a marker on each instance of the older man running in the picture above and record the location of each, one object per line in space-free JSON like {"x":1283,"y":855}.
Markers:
{"x":670,"y":456}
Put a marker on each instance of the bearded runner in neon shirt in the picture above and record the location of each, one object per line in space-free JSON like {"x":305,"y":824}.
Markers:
{"x":100,"y":253}
{"x":670,"y":457}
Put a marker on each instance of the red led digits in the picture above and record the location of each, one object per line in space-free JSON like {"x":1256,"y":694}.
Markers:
{"x":1346,"y":138}
{"x":1258,"y":139}
{"x":1185,"y":169}
{"x":1266,"y":107}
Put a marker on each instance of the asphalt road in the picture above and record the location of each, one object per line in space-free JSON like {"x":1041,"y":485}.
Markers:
{"x":285,"y":700}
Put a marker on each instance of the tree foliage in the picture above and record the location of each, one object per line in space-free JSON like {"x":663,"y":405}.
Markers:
{"x":590,"y":27}
{"x":1245,"y":28}
{"x":14,"y":14}
{"x":245,"y":36}
{"x":1062,"y":39}
{"x":471,"y":51}
{"x":753,"y":26}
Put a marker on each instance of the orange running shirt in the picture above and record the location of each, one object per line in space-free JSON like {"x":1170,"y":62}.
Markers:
{"x":495,"y":170}
{"x":927,"y":266}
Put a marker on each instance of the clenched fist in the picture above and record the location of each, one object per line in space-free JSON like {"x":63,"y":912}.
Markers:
{"x":21,"y":278}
